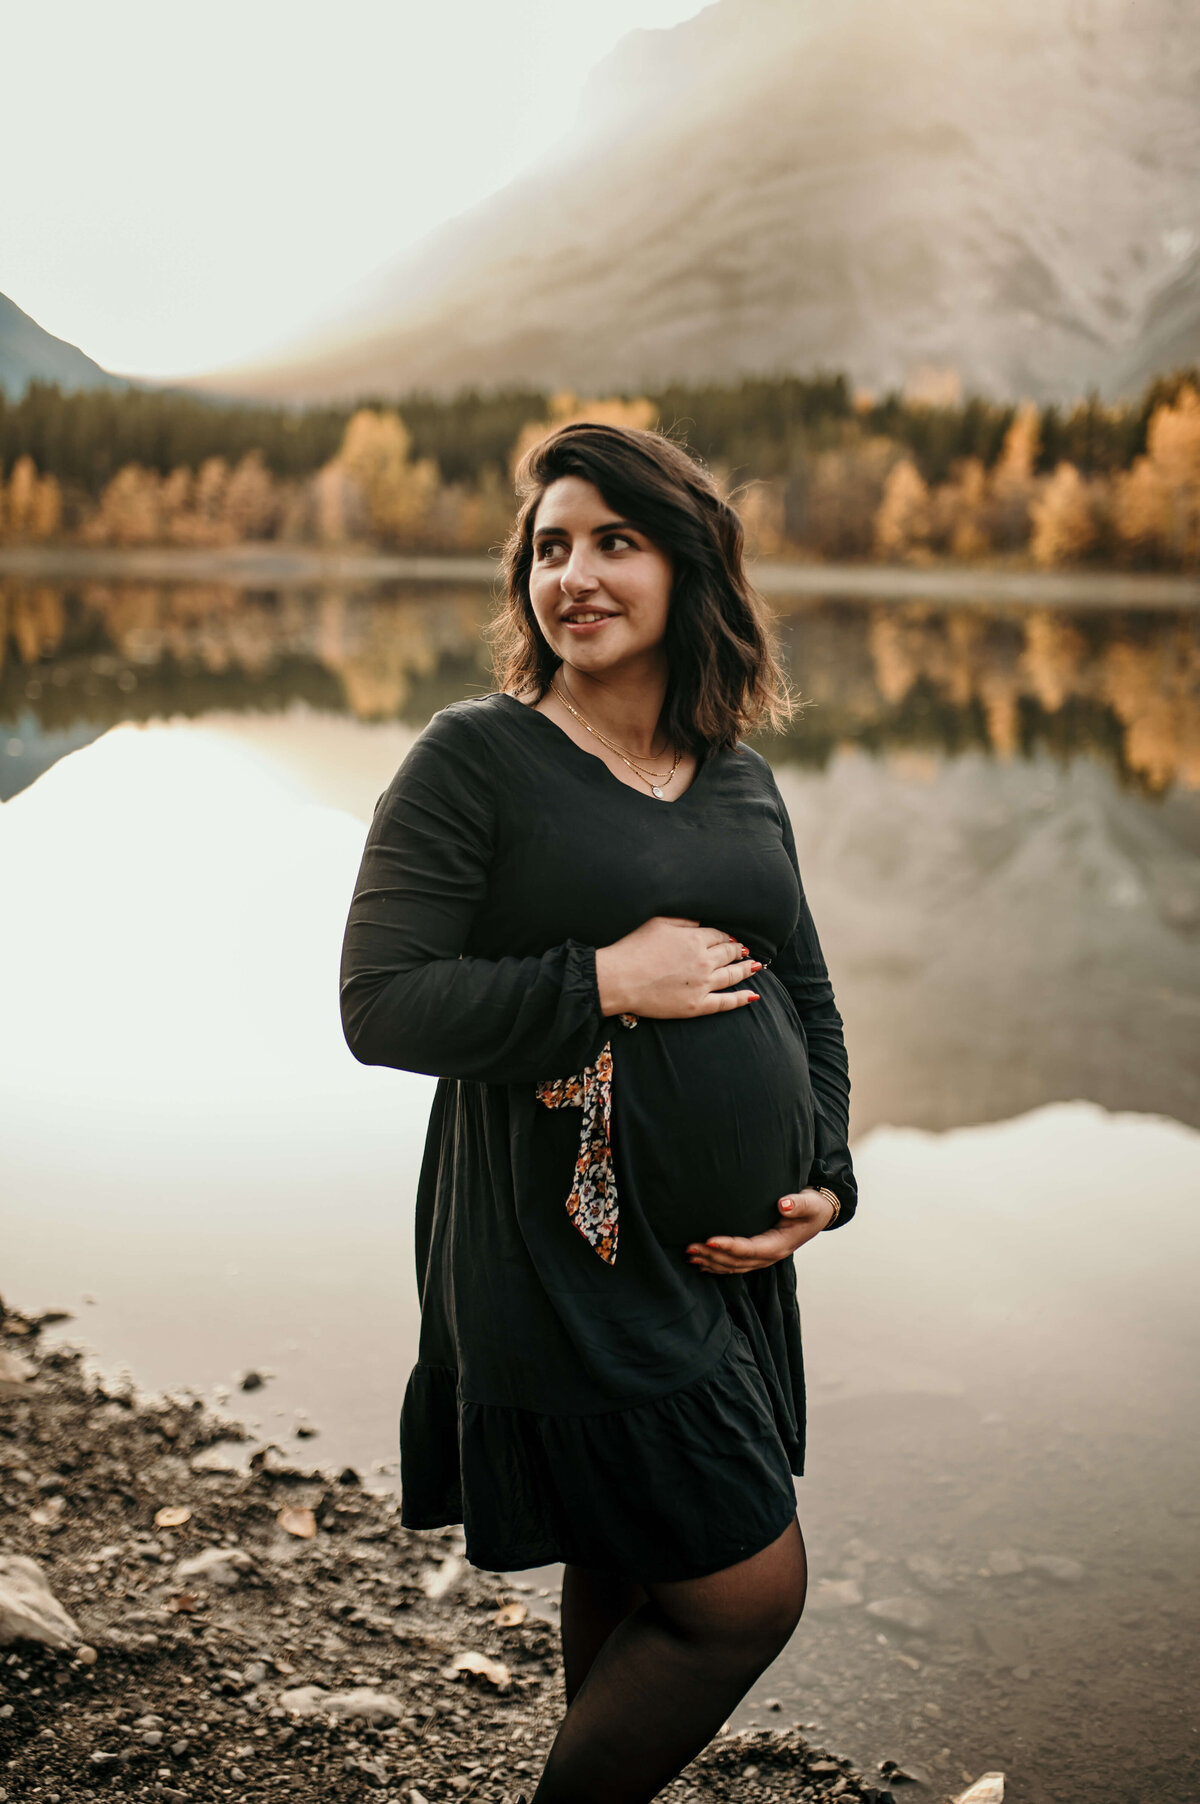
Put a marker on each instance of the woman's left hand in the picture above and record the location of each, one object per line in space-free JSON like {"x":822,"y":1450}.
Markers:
{"x":804,"y":1213}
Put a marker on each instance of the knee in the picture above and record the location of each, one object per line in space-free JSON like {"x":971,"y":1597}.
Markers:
{"x":750,"y":1630}
{"x":773,"y":1624}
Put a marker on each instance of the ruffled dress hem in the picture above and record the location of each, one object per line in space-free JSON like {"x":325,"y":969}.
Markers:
{"x":681,"y":1485}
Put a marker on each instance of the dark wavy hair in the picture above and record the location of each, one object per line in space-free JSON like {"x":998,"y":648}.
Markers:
{"x":724,"y":676}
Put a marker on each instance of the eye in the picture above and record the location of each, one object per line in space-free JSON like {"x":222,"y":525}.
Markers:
{"x":618,"y":541}
{"x":546,"y":550}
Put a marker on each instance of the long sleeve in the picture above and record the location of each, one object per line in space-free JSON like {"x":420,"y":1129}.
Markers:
{"x":800,"y":967}
{"x":409,"y":997}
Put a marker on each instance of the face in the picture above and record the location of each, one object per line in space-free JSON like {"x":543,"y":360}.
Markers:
{"x":599,"y":588}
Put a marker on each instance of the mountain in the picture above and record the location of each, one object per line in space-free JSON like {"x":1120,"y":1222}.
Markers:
{"x":28,"y":354}
{"x":780,"y":185}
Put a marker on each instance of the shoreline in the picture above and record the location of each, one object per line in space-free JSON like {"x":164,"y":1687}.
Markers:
{"x":245,"y":1632}
{"x":274,"y":566}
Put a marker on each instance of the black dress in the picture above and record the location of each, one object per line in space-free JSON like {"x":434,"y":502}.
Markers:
{"x":572,"y":1401}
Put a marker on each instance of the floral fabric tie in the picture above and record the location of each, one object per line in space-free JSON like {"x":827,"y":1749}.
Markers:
{"x":592,"y":1204}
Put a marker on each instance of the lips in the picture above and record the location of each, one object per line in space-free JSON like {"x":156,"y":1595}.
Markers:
{"x":585,"y":617}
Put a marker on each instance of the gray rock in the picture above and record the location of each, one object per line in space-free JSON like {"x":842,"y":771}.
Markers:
{"x":929,"y":1571}
{"x":216,"y":1459}
{"x":437,"y":1581}
{"x":15,"y":1373}
{"x":1004,"y":1642}
{"x":29,"y":1610}
{"x":1055,"y":1566}
{"x":304,"y":1700}
{"x":907,"y":1613}
{"x":834,"y":1594}
{"x":1005,"y":1562}
{"x":216,"y":1566}
{"x":360,"y":1704}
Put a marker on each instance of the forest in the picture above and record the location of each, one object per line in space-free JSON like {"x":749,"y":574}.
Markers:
{"x":818,"y":470}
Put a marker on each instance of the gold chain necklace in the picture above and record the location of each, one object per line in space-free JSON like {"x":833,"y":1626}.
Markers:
{"x":656,"y":783}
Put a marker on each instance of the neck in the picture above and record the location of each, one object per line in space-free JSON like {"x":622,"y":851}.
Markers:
{"x":626,"y":707}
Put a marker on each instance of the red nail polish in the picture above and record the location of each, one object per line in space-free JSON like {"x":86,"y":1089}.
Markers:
{"x":755,"y":967}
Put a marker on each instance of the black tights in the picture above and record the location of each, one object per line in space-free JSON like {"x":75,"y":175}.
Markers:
{"x":653,"y":1671}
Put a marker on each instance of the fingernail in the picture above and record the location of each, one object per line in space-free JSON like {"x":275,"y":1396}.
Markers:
{"x":755,"y":967}
{"x":754,"y":996}
{"x":788,"y":1204}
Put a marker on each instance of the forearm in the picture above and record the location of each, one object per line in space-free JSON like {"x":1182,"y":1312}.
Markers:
{"x":510,"y":1020}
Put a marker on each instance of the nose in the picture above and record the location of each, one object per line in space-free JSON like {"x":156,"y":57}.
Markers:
{"x":578,"y":578}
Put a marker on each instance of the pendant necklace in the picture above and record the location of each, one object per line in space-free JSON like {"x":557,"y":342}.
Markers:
{"x":656,"y":783}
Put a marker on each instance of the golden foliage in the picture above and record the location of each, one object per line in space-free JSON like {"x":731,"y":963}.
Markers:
{"x":844,"y":494}
{"x":1157,"y":502}
{"x":902,"y":521}
{"x":1064,"y":527}
{"x":30,"y":505}
{"x":373,"y":483}
{"x":567,"y":409}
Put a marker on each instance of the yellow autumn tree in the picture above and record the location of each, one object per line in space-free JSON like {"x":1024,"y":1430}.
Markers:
{"x":1064,"y":527}
{"x":1011,"y":489}
{"x":251,"y":503}
{"x":903,"y":520}
{"x":959,"y":509}
{"x":1157,"y":502}
{"x":30,"y":505}
{"x":397,"y":492}
{"x":129,"y":512}
{"x":566,"y":409}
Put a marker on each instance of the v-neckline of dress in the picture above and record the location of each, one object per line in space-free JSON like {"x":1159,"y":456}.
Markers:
{"x":594,"y":759}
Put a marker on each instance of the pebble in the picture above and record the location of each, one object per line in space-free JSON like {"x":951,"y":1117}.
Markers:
{"x":834,"y":1594}
{"x":216,"y":1565}
{"x":1005,"y":1562}
{"x":1055,"y":1566}
{"x":931,"y":1572}
{"x":903,"y":1613}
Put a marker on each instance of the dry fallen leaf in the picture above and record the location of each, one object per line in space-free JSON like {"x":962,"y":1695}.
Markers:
{"x":494,"y":1670}
{"x":184,"y":1604}
{"x":295,"y":1521}
{"x":172,"y":1515}
{"x":509,"y":1615}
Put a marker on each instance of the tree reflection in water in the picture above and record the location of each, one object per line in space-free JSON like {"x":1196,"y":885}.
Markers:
{"x":1120,"y":685}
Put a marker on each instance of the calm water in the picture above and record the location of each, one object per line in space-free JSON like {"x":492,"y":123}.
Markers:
{"x":998,"y":814}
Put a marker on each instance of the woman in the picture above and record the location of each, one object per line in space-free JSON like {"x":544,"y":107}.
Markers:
{"x":579,"y":907}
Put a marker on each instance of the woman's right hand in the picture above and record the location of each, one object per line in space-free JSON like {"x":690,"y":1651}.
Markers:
{"x":671,"y":968}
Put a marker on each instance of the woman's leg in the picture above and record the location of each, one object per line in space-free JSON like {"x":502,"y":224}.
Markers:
{"x":594,"y":1601}
{"x":669,"y":1674}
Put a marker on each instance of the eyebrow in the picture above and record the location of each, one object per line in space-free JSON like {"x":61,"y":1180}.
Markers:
{"x":598,"y":532}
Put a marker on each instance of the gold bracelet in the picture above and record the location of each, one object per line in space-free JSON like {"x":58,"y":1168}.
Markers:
{"x":837,"y":1207}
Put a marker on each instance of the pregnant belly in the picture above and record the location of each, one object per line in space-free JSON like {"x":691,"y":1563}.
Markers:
{"x":713,"y":1118}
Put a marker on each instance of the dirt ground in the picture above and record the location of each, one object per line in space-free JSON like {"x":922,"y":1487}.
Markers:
{"x":311,"y":1652}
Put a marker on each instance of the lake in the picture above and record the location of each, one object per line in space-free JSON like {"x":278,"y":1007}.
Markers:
{"x":997,"y":808}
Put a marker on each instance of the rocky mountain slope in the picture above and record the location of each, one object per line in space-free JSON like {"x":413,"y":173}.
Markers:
{"x":30,"y":354}
{"x":776,"y":185}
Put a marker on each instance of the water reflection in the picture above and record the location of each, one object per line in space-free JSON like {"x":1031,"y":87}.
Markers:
{"x":999,"y":820}
{"x":1007,"y":680}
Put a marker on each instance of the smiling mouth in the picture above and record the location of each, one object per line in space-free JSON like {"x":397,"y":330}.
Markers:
{"x":585,"y":617}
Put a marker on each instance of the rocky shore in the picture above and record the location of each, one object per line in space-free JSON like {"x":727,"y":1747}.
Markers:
{"x":179,"y":1624}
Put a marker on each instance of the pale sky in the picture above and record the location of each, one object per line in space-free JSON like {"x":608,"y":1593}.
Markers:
{"x":186,"y":186}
